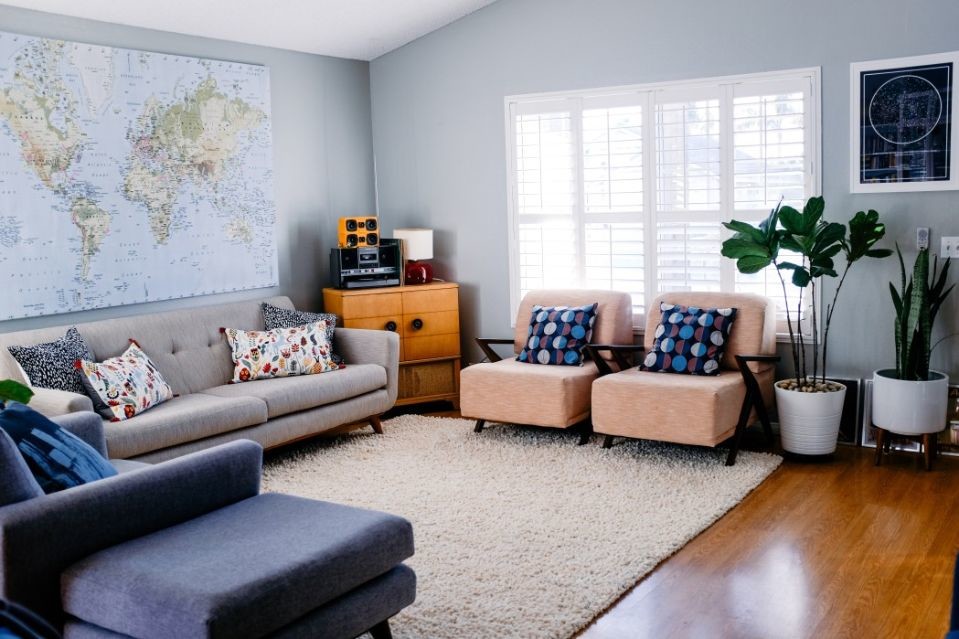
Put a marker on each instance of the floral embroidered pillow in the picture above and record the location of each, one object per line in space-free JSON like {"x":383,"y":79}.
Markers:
{"x":300,"y":350}
{"x":124,"y":386}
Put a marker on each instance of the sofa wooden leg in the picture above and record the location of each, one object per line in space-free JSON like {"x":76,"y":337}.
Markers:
{"x":608,"y":441}
{"x":479,"y":426}
{"x":929,"y":448}
{"x":376,"y":424}
{"x":381,"y":630}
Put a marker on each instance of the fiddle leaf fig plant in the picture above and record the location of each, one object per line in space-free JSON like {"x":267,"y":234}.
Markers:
{"x":805,"y":245}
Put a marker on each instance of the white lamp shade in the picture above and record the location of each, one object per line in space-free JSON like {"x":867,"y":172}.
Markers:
{"x":417,"y":243}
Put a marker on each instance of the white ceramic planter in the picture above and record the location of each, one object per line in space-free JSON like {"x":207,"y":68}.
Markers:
{"x":909,"y":407}
{"x":809,"y":422}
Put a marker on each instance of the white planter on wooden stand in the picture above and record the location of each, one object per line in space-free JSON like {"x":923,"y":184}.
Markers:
{"x":909,"y":407}
{"x":809,"y":422}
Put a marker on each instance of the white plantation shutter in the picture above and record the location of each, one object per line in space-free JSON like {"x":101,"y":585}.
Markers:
{"x":772,"y":161}
{"x":627,"y":189}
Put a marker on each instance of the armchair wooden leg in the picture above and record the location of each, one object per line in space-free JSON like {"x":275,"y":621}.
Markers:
{"x":608,"y":441}
{"x":479,"y":425}
{"x":376,"y":424}
{"x":381,"y":630}
{"x":740,"y":428}
{"x":585,"y":431}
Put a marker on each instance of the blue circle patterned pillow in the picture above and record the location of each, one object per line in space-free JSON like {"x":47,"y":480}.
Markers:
{"x":557,"y":334}
{"x":690,"y":340}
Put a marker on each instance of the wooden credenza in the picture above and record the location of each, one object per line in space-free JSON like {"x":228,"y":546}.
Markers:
{"x":427,"y":319}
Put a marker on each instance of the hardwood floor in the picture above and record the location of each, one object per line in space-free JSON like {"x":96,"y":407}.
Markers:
{"x":835,"y":548}
{"x":830,"y":549}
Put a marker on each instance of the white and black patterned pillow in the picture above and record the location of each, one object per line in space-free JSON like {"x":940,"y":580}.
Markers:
{"x":275,"y":317}
{"x":52,"y":364}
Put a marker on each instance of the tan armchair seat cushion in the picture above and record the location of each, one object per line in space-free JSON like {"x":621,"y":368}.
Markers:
{"x":687,"y":409}
{"x":521,"y":393}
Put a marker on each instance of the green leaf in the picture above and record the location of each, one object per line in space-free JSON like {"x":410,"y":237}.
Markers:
{"x":736,"y":247}
{"x":752,"y":263}
{"x":879,"y":253}
{"x":13,"y":391}
{"x":812,"y":212}
{"x":790,"y":266}
{"x":751,"y":232}
{"x":829,"y":234}
{"x":801,"y":278}
{"x":791,"y":220}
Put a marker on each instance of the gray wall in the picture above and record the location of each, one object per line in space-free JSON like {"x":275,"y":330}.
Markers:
{"x":323,"y":161}
{"x":438,"y":125}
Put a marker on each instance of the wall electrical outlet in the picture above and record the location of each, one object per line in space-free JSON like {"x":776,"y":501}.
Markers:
{"x":949,"y":247}
{"x":922,"y":237}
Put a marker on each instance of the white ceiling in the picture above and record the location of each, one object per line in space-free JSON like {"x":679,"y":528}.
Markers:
{"x":360,"y":29}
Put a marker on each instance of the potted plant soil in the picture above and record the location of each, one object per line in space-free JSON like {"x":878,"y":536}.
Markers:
{"x":911,"y":399}
{"x":804,"y":245}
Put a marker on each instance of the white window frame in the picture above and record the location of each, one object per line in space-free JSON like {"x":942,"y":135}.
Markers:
{"x":644,"y":95}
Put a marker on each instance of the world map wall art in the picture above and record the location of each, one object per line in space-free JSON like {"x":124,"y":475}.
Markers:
{"x":903,"y":124}
{"x":130,"y":176}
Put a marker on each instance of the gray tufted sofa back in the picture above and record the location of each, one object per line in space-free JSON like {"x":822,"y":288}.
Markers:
{"x":186,"y":345}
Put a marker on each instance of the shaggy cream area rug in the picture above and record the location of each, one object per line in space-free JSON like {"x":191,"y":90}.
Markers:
{"x":519,"y":532}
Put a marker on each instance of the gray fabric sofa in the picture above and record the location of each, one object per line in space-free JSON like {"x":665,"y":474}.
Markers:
{"x":194,"y":358}
{"x":189,"y":548}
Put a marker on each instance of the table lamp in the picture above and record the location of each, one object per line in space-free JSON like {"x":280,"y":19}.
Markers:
{"x":417,"y":246}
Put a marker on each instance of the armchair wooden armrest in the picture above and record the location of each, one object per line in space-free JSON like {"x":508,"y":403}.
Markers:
{"x":619,"y":353}
{"x":485,"y":344}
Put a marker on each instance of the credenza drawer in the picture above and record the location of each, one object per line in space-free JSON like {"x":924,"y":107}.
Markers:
{"x":423,"y":324}
{"x":425,"y":301}
{"x":430,"y":346}
{"x":384,"y":323}
{"x":362,"y":306}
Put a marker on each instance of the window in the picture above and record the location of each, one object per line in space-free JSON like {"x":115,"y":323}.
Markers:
{"x":627,"y":188}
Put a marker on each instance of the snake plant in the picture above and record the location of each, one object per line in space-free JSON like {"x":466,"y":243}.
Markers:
{"x":917,"y":304}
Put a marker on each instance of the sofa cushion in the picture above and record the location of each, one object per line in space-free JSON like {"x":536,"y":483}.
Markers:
{"x":514,"y":392}
{"x":182,"y":419}
{"x":282,"y":352}
{"x":50,"y":364}
{"x":689,"y":340}
{"x":687,"y":409}
{"x":293,"y":394}
{"x":124,"y":386}
{"x":279,"y":317}
{"x":244,"y":570}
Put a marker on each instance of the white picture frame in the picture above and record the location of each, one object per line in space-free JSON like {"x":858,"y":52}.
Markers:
{"x":929,"y":140}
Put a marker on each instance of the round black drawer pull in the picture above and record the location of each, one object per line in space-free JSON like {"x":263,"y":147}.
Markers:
{"x":417,"y":324}
{"x":391,"y":326}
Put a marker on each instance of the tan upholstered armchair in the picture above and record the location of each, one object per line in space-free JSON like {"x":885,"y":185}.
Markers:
{"x":692,"y":409}
{"x":508,"y":391}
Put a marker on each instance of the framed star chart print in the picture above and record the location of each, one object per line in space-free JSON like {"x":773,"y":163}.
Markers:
{"x":903,"y":117}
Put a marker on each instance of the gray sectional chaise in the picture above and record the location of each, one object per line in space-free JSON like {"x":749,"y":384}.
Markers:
{"x":189,"y":548}
{"x":192,"y":355}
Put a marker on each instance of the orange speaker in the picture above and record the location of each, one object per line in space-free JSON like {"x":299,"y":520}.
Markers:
{"x":358,"y":231}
